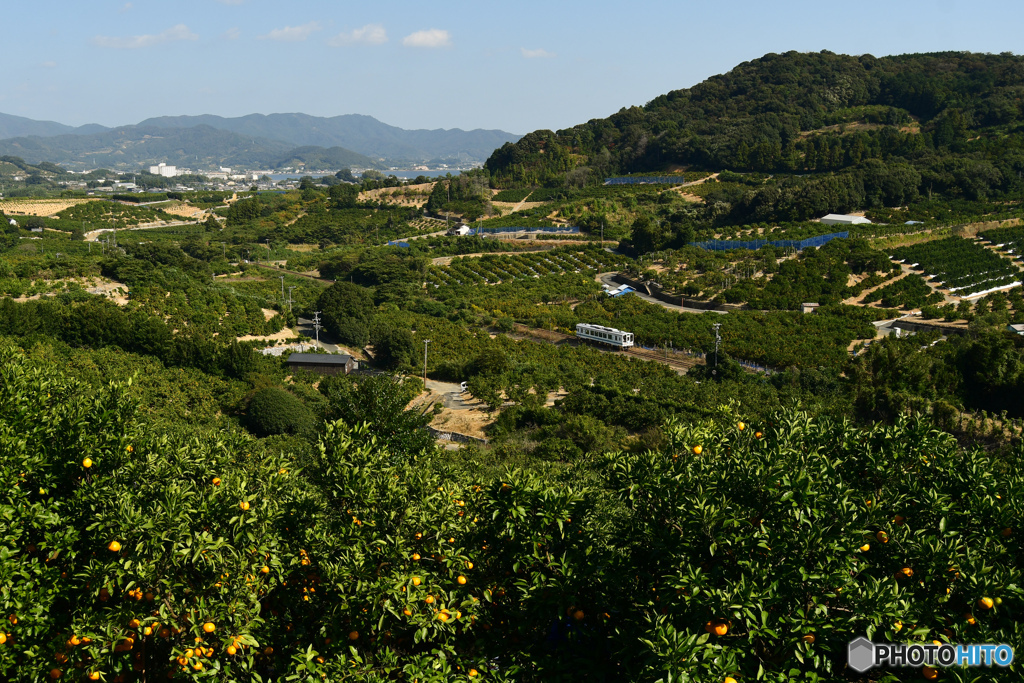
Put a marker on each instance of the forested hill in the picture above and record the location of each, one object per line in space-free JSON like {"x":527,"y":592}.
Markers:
{"x":795,"y":113}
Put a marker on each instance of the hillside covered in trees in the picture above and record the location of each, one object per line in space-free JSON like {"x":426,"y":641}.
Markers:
{"x":840,"y":132}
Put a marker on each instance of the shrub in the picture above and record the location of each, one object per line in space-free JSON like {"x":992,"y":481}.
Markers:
{"x":275,"y":411}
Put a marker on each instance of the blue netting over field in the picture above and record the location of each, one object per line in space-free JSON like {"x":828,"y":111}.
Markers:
{"x":646,"y":180}
{"x":568,"y":230}
{"x":753,"y":245}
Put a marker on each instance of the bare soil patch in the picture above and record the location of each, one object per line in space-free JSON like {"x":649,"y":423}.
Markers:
{"x":284,"y":335}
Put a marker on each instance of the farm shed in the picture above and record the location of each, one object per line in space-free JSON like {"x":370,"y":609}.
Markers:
{"x":322,"y":363}
{"x":843,"y":219}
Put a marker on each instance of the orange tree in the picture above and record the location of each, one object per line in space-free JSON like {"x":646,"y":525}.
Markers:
{"x":129,"y":552}
{"x":760,"y":552}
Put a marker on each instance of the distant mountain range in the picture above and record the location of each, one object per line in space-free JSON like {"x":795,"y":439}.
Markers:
{"x":257,"y":140}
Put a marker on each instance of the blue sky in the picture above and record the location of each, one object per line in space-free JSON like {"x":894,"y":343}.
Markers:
{"x":514,"y":66}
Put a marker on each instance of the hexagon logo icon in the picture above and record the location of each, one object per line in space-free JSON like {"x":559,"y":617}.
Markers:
{"x":861,"y":655}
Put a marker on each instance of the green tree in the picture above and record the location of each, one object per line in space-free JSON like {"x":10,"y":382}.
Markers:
{"x":381,"y":402}
{"x":273,"y":410}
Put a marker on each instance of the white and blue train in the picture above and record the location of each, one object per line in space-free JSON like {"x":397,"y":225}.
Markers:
{"x":604,"y":335}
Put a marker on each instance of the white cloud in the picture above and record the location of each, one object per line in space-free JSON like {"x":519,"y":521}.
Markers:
{"x":173,"y":34}
{"x":48,"y":65}
{"x":125,"y":7}
{"x":371,"y":34}
{"x":539,"y":53}
{"x":231,"y":34}
{"x":433,"y":37}
{"x":292,"y":34}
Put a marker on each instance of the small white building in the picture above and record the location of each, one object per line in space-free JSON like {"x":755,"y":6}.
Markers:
{"x":809,"y":308}
{"x":1019,"y":329}
{"x":844,"y":219}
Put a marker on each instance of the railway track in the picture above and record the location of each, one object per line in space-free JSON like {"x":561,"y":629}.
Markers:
{"x":551,"y":337}
{"x":671,"y":361}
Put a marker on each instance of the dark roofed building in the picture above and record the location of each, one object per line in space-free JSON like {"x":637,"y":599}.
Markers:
{"x":322,"y":363}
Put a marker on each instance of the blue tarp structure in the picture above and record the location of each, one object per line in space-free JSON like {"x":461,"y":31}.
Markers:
{"x":564,"y":229}
{"x":398,"y":244}
{"x":753,"y":245}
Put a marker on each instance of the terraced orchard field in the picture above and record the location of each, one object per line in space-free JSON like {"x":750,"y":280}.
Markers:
{"x":911,"y":292}
{"x":961,"y":266}
{"x":1009,"y":240}
{"x":38,"y":207}
{"x":492,"y":269}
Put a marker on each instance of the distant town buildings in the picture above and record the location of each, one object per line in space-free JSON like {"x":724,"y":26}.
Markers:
{"x":164,"y":170}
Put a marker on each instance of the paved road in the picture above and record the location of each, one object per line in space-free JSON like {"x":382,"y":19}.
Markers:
{"x":606,"y":278}
{"x":93,"y":235}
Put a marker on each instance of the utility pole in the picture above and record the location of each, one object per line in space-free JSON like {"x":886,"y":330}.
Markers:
{"x":282,"y":289}
{"x":290,"y":298}
{"x":425,"y":342}
{"x":602,"y":232}
{"x":718,"y":340}
{"x":317,"y":326}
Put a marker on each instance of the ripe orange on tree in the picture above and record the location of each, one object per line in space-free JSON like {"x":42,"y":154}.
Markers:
{"x":87,"y":463}
{"x":461,"y":580}
{"x":244,"y":505}
{"x":114,"y":547}
{"x":216,"y":481}
{"x":698,"y":449}
{"x":986,"y":603}
{"x":882,"y":537}
{"x":209,"y":627}
{"x":353,"y":635}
